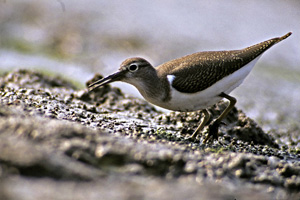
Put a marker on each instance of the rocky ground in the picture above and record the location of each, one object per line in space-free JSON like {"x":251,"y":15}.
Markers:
{"x":58,"y":142}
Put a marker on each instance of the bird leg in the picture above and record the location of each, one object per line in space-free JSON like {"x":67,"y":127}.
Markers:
{"x":202,"y":124}
{"x":214,"y":126}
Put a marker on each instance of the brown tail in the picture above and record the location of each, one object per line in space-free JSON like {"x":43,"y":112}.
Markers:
{"x":283,"y":37}
{"x":250,"y":53}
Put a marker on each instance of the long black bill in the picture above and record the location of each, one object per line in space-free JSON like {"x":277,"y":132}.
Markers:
{"x":111,"y":78}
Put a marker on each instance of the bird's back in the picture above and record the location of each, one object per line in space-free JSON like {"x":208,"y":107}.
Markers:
{"x":198,"y":71}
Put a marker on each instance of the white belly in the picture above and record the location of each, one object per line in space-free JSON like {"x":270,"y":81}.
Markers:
{"x":187,"y":102}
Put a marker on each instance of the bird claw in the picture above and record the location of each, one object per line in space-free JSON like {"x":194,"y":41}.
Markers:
{"x":213,"y":130}
{"x":190,"y":139}
{"x":223,"y":123}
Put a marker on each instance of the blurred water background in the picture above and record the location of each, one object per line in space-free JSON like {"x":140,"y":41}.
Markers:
{"x":79,"y":38}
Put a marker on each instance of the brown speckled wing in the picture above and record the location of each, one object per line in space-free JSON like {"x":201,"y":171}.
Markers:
{"x":196,"y":72}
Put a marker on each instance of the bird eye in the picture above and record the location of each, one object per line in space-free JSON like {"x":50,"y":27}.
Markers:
{"x":133,"y":67}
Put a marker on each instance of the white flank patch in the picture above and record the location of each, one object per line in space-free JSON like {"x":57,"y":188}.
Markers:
{"x":197,"y":101}
{"x":171,"y":78}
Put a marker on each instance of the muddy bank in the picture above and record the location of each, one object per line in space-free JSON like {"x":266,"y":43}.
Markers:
{"x":60,"y":142}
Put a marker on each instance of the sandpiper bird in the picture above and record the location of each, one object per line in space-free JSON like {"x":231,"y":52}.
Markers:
{"x":193,"y":82}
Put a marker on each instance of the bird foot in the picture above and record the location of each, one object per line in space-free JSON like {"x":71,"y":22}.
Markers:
{"x":213,"y":130}
{"x":190,"y":139}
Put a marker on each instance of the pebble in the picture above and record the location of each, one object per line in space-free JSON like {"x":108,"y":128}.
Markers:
{"x":140,"y":139}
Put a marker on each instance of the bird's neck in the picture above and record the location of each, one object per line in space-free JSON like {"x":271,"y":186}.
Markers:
{"x":154,"y":88}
